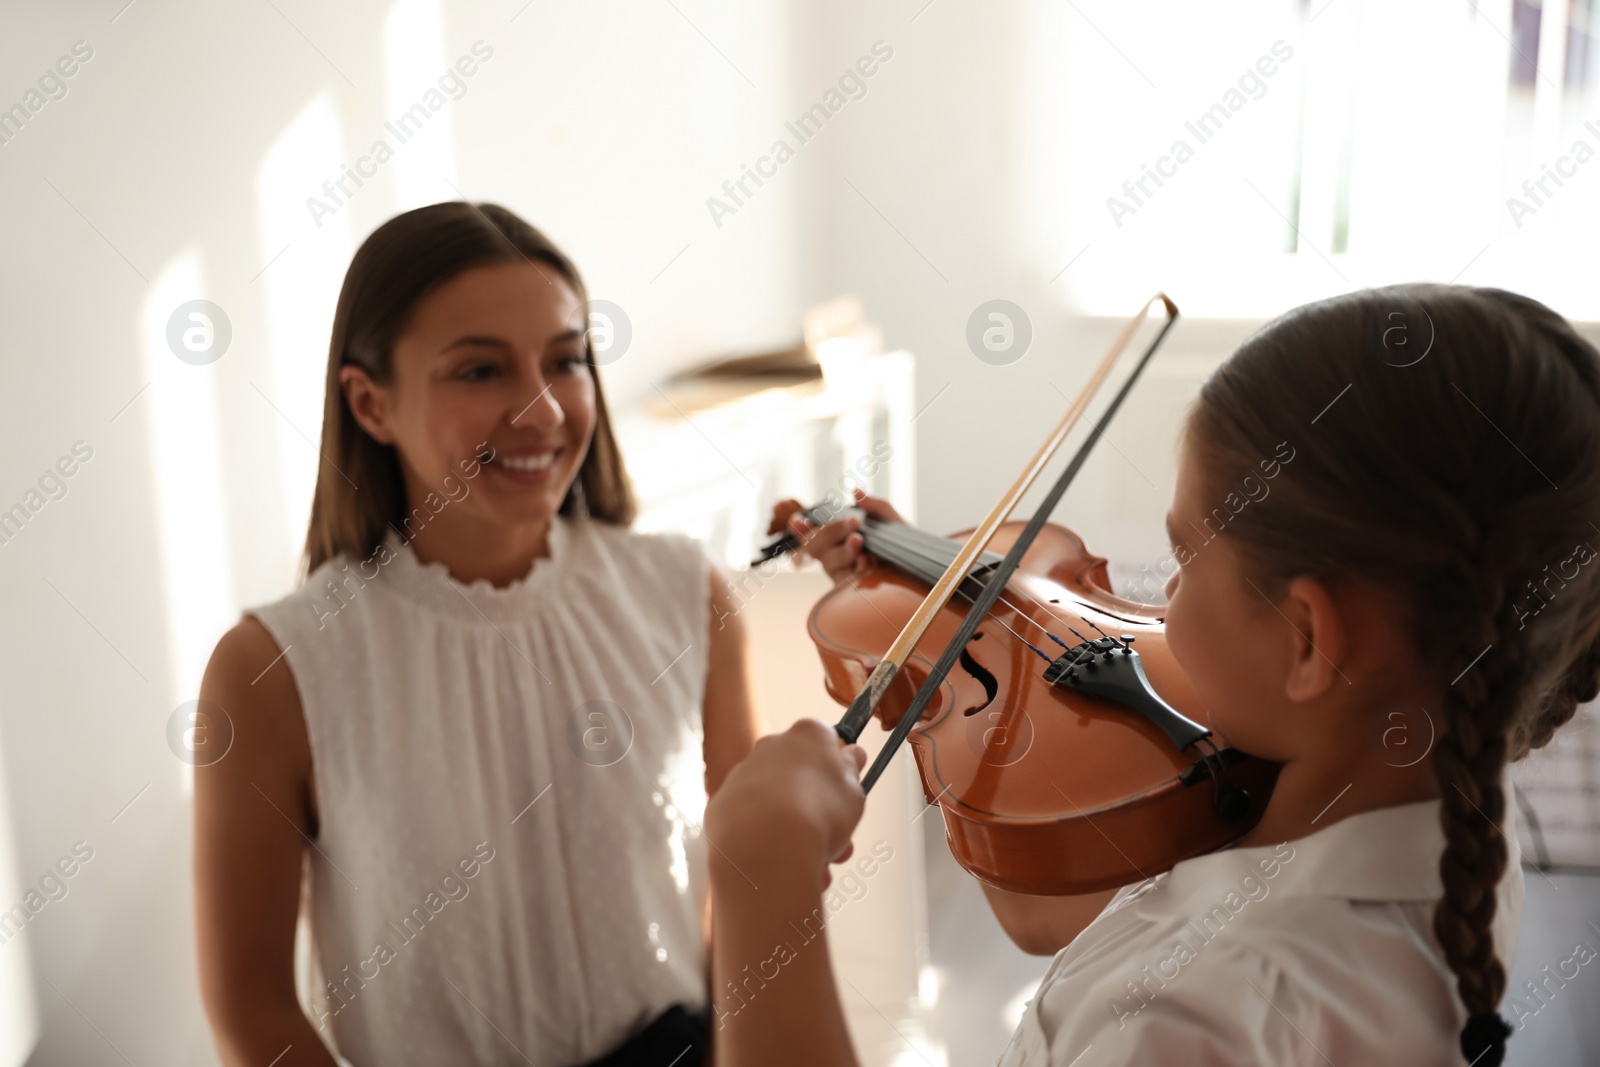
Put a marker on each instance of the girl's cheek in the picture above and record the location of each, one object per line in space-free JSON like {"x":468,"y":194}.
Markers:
{"x":1176,"y":620}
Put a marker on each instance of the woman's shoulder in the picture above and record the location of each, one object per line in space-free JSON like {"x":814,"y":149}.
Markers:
{"x":632,"y":551}
{"x":325,"y":572}
{"x":666,"y":570}
{"x":249,"y":691}
{"x":244,"y":650}
{"x":319,"y":596}
{"x":628,"y":538}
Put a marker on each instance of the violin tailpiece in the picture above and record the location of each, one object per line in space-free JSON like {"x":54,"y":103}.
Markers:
{"x":1111,"y":669}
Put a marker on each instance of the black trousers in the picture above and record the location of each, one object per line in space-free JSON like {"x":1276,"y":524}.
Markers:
{"x":677,"y":1038}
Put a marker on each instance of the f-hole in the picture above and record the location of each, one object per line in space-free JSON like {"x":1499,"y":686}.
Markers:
{"x":981,"y":675}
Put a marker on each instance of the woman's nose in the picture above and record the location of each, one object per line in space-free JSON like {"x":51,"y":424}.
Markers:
{"x":541,"y":412}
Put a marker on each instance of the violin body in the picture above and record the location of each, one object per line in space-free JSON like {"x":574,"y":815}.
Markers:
{"x":1044,"y":790}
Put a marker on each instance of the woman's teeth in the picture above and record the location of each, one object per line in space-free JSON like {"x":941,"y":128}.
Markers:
{"x":538,"y":462}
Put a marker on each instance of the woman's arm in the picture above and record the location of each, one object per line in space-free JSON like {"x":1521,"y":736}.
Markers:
{"x":254,"y":810}
{"x":1043,"y":926}
{"x":728,"y":714}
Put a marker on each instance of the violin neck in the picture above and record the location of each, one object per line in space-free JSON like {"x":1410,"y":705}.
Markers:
{"x":923,"y":555}
{"x":919,"y":553}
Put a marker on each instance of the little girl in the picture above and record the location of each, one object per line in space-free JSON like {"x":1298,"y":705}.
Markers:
{"x":489,"y":718}
{"x":1422,"y":563}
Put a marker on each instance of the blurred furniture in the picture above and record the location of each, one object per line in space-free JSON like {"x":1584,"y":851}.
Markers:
{"x":709,"y":454}
{"x":711,"y":451}
{"x":878,"y":937}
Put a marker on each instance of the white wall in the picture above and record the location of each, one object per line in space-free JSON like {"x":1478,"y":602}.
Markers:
{"x":925,"y":198}
{"x":945,"y":186}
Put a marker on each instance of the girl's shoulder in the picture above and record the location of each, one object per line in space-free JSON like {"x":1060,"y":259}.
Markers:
{"x":1277,"y":997}
{"x":1290,"y":979}
{"x":1262,"y":954}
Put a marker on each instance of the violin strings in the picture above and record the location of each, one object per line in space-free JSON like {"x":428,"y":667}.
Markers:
{"x":903,"y":535}
{"x":882,"y":529}
{"x":932,"y":547}
{"x":912,"y":540}
{"x":1087,"y":622}
{"x":1114,"y":640}
{"x":932,"y":544}
{"x":1042,"y":653}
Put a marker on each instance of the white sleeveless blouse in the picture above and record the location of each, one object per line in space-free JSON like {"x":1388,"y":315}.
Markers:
{"x":509,"y":865}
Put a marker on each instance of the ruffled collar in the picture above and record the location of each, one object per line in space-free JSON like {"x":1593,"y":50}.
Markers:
{"x":432,"y":585}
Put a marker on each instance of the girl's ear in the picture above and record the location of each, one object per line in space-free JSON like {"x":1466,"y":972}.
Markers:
{"x":368,"y":401}
{"x":1317,"y":639}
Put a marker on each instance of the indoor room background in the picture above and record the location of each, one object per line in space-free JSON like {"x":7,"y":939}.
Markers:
{"x":994,"y":187}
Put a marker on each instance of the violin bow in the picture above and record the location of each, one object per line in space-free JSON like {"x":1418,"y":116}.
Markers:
{"x":860,"y":711}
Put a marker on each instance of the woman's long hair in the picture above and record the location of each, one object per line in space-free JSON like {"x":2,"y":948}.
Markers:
{"x":360,"y":492}
{"x":1448,"y":448}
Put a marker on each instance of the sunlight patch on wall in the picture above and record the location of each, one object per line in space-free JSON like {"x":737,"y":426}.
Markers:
{"x":302,"y":290}
{"x":186,"y":470}
{"x":413,"y":46}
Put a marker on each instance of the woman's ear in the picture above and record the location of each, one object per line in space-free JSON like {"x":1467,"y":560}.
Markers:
{"x":1317,"y":637}
{"x":368,"y":401}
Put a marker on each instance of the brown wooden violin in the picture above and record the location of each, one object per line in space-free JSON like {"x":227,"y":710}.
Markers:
{"x":1055,"y":730}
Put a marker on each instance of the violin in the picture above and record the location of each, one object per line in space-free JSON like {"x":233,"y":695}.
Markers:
{"x":1064,"y":759}
{"x":1067,"y":751}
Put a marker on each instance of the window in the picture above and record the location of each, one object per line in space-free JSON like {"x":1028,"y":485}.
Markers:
{"x":1251,"y":157}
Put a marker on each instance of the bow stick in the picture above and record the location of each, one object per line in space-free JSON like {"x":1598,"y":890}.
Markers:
{"x":861,"y":708}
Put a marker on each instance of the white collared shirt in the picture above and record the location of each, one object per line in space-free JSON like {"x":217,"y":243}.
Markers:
{"x":1315,"y":951}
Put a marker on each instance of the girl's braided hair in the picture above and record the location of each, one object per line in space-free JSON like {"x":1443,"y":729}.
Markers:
{"x":1452,"y":453}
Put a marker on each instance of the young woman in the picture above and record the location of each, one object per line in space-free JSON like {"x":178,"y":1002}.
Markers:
{"x":1429,"y":547}
{"x":490,"y":717}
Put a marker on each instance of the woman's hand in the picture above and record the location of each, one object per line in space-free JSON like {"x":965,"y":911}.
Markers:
{"x":789,"y":807}
{"x":837,"y":545}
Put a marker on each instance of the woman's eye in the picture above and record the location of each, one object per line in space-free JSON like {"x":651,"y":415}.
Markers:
{"x":572,"y":363}
{"x":478,"y":372}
